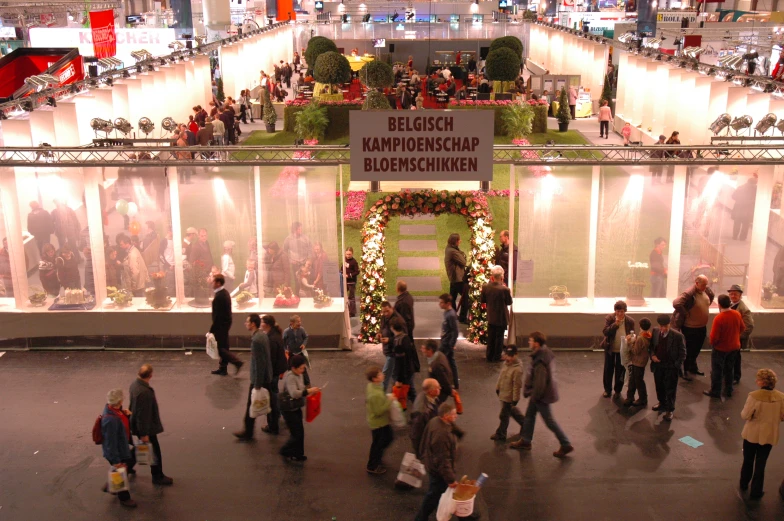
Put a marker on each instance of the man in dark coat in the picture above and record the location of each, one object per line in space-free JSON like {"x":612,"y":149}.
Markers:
{"x":40,"y":225}
{"x":496,"y":296}
{"x":425,"y":408}
{"x":385,"y":337}
{"x":616,"y":326}
{"x":668,"y":352}
{"x":279,"y":367}
{"x":351,"y":266}
{"x":438,"y":449}
{"x":404,"y":306}
{"x":221,"y":324}
{"x":260,"y":370}
{"x":438,"y":369}
{"x":502,"y":256}
{"x":146,"y":421}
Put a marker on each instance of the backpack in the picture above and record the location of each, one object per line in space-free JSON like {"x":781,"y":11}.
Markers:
{"x":97,"y":432}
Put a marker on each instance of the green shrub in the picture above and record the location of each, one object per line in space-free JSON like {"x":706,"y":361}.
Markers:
{"x":377,"y":75}
{"x":498,"y":123}
{"x":503,"y":65}
{"x":564,"y":114}
{"x":317,"y":46}
{"x":221,"y":96}
{"x":311,"y":121}
{"x":376,"y":101}
{"x":539,"y":125}
{"x":332,"y":68}
{"x":508,"y":42}
{"x":338,"y":116}
{"x":606,"y":91}
{"x":518,"y":120}
{"x":270,"y":117}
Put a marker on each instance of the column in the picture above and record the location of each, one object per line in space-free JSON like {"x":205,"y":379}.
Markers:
{"x":13,"y":230}
{"x":759,"y":234}
{"x":676,"y":231}
{"x":593,"y":232}
{"x":42,"y":126}
{"x":65,"y":127}
{"x":93,"y":177}
{"x":174,"y":195}
{"x":120,"y":107}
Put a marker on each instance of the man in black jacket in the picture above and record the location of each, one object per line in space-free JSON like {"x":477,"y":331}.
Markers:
{"x":352,"y":270}
{"x":668,"y":352}
{"x":385,"y":337}
{"x":221,"y":324}
{"x":404,"y":306}
{"x":146,"y":421}
{"x":496,"y":296}
{"x":279,"y":367}
{"x":502,"y":256}
{"x":438,"y":369}
{"x":40,"y":225}
{"x":616,"y":326}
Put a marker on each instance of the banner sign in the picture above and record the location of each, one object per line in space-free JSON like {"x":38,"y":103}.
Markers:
{"x":104,"y":39}
{"x":421,"y":146}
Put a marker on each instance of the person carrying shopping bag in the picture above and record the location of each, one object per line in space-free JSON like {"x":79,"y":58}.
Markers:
{"x":377,"y":404}
{"x":292,"y":400}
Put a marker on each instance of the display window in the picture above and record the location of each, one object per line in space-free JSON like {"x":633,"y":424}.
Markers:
{"x":553,"y":230}
{"x":772,"y":294}
{"x":6,"y":278}
{"x":633,"y":233}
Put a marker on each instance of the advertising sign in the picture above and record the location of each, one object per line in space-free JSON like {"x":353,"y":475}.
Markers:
{"x":154,"y":40}
{"x":104,"y":39}
{"x":421,"y":146}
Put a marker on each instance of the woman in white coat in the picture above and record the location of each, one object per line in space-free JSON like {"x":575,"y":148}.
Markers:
{"x":763,"y":412}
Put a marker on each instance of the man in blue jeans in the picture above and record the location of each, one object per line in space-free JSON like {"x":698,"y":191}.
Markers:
{"x":449,"y":332}
{"x":541,"y":390}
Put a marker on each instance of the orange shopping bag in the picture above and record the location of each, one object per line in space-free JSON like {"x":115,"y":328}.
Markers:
{"x":458,"y":401}
{"x":401,"y":394}
{"x":313,"y":406}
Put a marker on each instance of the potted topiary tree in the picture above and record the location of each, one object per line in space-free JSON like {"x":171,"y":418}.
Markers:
{"x":376,"y":75}
{"x":317,"y":46}
{"x":270,"y":117}
{"x":563,"y":115}
{"x":331,"y":68}
{"x":509,"y":42}
{"x":518,"y":120}
{"x":502,"y":66}
{"x":607,"y":94}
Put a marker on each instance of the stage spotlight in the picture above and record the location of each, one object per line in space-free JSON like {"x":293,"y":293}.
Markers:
{"x":765,"y":123}
{"x":780,"y":126}
{"x":146,"y":126}
{"x":101,"y":125}
{"x":720,"y":124}
{"x":123,"y":126}
{"x":168,"y":124}
{"x":741,"y":123}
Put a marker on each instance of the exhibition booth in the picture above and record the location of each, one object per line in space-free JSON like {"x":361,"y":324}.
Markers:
{"x":564,"y":52}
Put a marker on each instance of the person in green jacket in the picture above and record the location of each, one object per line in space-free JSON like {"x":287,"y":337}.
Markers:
{"x":378,"y":405}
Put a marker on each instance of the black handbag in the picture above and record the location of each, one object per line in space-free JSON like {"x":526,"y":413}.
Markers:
{"x":287,"y":403}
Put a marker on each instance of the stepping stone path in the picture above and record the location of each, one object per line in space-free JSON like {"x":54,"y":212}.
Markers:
{"x":424,"y":241}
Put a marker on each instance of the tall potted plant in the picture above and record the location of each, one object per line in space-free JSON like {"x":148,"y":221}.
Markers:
{"x":317,"y":46}
{"x":563,"y":115}
{"x":311,"y":123}
{"x":503,"y":68}
{"x":270,"y":117}
{"x":518,"y":120}
{"x":376,"y":75}
{"x":331,"y":68}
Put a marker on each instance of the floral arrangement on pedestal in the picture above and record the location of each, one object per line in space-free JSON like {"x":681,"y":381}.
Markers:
{"x":373,"y":286}
{"x":321,"y":300}
{"x":156,"y":296}
{"x":243,"y":297}
{"x":286,"y":298}
{"x":635,"y":284}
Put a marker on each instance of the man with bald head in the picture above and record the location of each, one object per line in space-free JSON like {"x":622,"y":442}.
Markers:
{"x":425,"y":408}
{"x":691,"y":319}
{"x":146,"y":421}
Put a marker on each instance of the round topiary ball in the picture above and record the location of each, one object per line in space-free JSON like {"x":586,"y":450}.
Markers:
{"x":317,"y":46}
{"x":503,"y":65}
{"x":377,"y":75}
{"x":332,"y":67}
{"x":376,"y":101}
{"x":509,"y":42}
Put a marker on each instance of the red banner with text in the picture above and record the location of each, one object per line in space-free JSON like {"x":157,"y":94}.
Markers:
{"x":104,"y":38}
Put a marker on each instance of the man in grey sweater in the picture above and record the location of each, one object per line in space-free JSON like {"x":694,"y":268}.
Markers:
{"x":260,"y":369}
{"x":146,"y":421}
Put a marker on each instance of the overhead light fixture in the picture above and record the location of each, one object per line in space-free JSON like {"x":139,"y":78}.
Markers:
{"x":741,"y":123}
{"x":720,"y":124}
{"x":765,"y":123}
{"x":475,"y":7}
{"x":146,"y":126}
{"x":176,"y":45}
{"x":168,"y":124}
{"x":780,"y":126}
{"x":109,"y":63}
{"x":101,"y":125}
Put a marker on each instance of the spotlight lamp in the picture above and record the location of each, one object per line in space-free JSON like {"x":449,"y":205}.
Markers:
{"x":780,"y":126}
{"x":720,"y":124}
{"x":176,"y":45}
{"x":123,"y":126}
{"x":168,"y":124}
{"x":741,"y":123}
{"x":101,"y":125}
{"x":765,"y":124}
{"x":146,"y":126}
{"x":109,"y":63}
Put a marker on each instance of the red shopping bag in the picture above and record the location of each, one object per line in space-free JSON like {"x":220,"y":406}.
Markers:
{"x":401,"y":394}
{"x":313,"y":408}
{"x":458,"y":401}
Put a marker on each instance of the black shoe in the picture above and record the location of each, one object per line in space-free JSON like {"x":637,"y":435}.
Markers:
{"x":269,"y":431}
{"x":699,"y":373}
{"x":756,"y":496}
{"x":728,"y":395}
{"x":736,"y":382}
{"x":686,"y":377}
{"x":628,"y":403}
{"x":162,"y":480}
{"x":668,"y":416}
{"x":605,"y":395}
{"x":238,"y":366}
{"x":640,"y":403}
{"x":220,"y":372}
{"x":131,"y":472}
{"x":298,"y":458}
{"x":743,"y":488}
{"x":708,"y":393}
{"x":656,"y":407}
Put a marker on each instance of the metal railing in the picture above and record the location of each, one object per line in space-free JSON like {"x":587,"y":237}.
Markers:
{"x":329,"y":155}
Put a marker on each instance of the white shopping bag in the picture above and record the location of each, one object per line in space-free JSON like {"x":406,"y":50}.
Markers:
{"x":411,"y":471}
{"x":446,"y":506}
{"x":396,"y":415}
{"x":144,"y":454}
{"x":117,"y":480}
{"x":212,"y":347}
{"x":259,"y":403}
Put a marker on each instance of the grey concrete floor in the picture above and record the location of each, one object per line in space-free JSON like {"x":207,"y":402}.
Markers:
{"x":624,"y":467}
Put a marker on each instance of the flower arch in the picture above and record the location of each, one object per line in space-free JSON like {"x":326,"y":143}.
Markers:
{"x":373,"y":286}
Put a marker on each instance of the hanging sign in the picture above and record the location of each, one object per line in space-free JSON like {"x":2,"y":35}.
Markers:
{"x":422,"y":146}
{"x":104,"y":38}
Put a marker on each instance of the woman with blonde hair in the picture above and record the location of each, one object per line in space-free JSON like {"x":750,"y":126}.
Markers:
{"x":763,"y":412}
